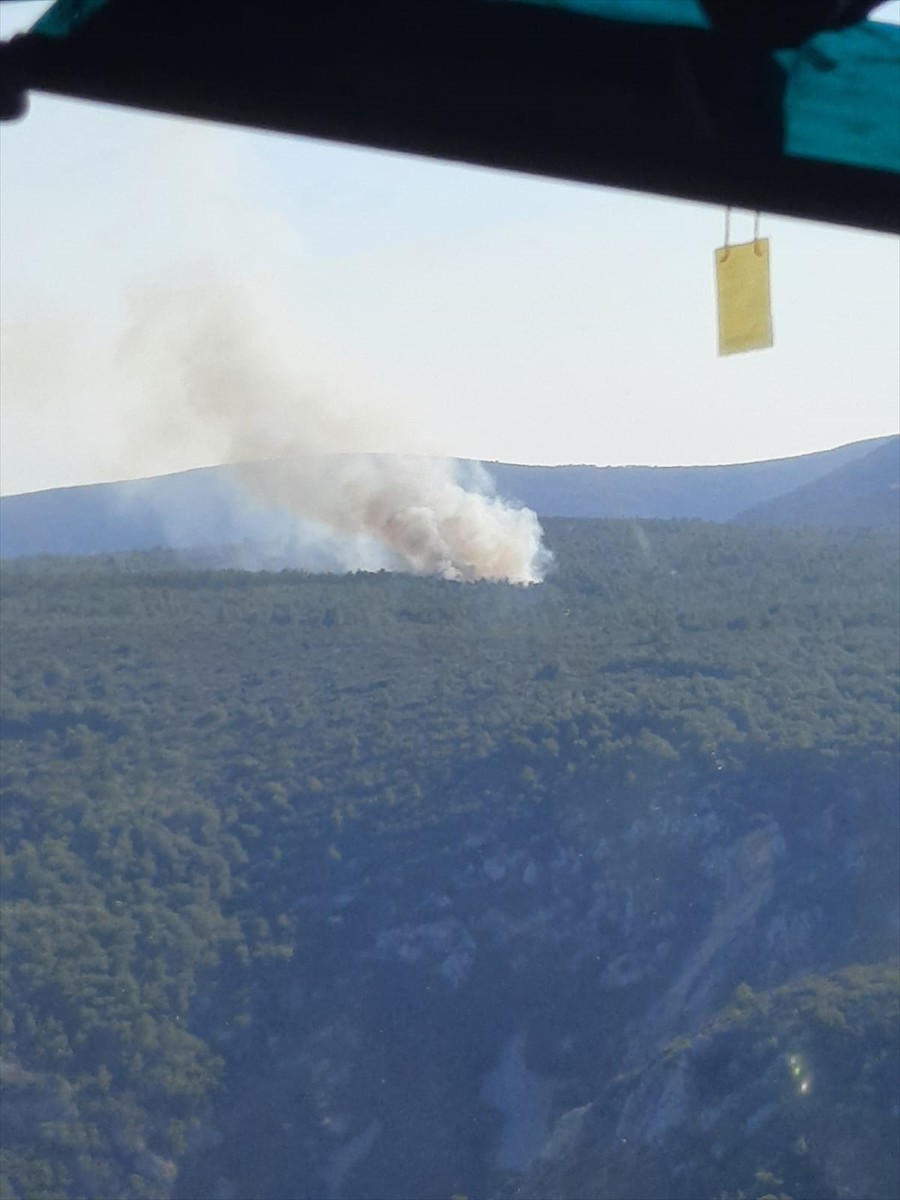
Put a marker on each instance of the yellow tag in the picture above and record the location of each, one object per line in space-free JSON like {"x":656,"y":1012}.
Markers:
{"x":745,"y":304}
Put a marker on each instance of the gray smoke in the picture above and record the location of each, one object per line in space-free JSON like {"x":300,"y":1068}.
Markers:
{"x":215,"y":368}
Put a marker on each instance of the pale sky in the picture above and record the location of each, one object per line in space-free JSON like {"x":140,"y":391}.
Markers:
{"x":460,"y":311}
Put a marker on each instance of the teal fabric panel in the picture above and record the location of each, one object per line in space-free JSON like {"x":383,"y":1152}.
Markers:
{"x":843,"y":97}
{"x":64,"y":16}
{"x":643,"y":12}
{"x":842,"y":102}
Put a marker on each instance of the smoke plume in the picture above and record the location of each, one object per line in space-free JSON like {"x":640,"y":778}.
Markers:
{"x":220,"y":369}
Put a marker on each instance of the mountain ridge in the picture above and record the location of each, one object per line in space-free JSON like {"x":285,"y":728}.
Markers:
{"x":863,"y":492}
{"x":206,"y":506}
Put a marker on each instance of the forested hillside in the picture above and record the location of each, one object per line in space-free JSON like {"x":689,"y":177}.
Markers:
{"x":345,"y":886}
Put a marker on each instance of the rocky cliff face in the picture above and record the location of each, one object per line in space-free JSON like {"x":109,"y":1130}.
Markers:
{"x":543,"y":1005}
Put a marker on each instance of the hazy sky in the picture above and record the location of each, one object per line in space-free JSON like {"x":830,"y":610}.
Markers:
{"x":441,"y":309}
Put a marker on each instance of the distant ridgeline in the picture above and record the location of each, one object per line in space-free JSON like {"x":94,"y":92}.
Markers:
{"x":854,"y":485}
{"x":375,"y":885}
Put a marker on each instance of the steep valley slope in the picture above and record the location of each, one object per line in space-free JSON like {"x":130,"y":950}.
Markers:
{"x":380,"y":886}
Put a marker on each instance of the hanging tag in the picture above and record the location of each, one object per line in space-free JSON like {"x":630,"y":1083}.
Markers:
{"x":744,"y":299}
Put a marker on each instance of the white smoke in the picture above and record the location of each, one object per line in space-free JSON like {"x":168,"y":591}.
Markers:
{"x":230,"y":367}
{"x":220,"y":368}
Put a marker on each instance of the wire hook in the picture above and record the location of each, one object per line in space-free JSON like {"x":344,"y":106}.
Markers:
{"x":727,"y":245}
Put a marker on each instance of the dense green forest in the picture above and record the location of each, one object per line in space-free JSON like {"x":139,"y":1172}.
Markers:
{"x":186,"y":751}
